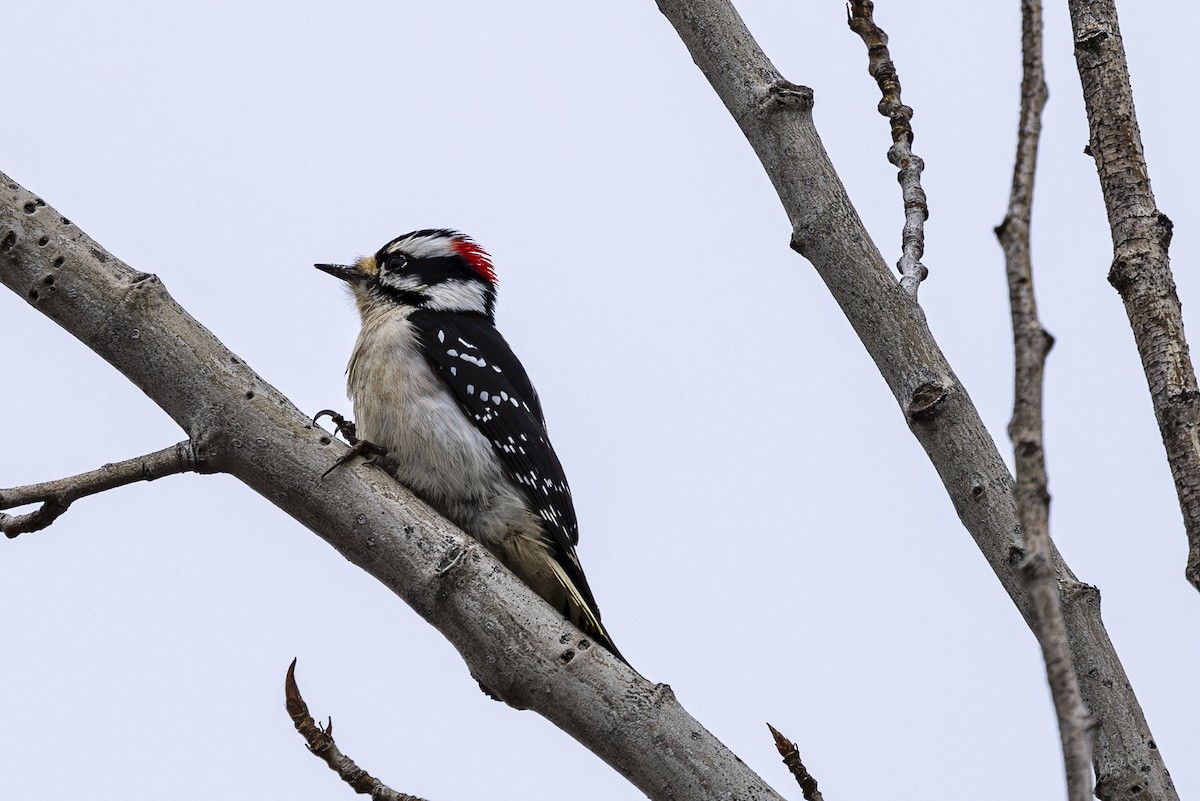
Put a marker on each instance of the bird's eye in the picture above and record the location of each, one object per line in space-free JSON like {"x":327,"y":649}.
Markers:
{"x":397,"y":261}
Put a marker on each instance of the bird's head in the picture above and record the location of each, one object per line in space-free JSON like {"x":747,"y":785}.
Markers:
{"x":434,"y":268}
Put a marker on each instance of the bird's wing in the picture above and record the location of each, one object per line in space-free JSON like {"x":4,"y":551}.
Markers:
{"x":471,"y":357}
{"x":473,"y":360}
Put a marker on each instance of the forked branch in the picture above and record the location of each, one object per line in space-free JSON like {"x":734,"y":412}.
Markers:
{"x":828,"y":232}
{"x":57,"y":496}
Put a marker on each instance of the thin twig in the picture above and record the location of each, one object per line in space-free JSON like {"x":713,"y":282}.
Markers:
{"x":791,"y":757}
{"x":916,"y":210}
{"x":57,"y":496}
{"x":1032,"y":343}
{"x":320,"y":741}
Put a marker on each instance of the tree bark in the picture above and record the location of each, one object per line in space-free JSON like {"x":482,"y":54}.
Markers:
{"x":1141,"y":266}
{"x":511,"y":640}
{"x":776,"y":117}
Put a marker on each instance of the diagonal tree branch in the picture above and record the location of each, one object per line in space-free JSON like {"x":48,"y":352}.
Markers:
{"x":1141,"y":267}
{"x":513,"y":642}
{"x":776,"y":117}
{"x":1031,"y":344}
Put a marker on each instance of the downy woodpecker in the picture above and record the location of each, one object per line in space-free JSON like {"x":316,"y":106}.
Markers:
{"x":435,"y":385}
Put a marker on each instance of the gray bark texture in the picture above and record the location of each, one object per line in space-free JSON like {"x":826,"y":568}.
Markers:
{"x":1141,"y":266}
{"x":511,"y":640}
{"x":776,"y":117}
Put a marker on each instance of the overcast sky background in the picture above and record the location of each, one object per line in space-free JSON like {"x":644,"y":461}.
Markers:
{"x":760,"y":529}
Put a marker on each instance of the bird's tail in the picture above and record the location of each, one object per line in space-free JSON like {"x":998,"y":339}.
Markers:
{"x":580,"y":608}
{"x":560,"y":581}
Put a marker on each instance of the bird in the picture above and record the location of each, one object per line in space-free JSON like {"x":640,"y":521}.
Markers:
{"x":437,"y":389}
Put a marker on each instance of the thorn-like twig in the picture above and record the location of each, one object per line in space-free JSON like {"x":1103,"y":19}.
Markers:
{"x":916,"y":210}
{"x":320,"y":741}
{"x":791,"y":757}
{"x":57,"y":496}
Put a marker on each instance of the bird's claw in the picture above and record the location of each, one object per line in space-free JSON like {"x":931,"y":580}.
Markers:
{"x":343,"y":426}
{"x":358,"y":446}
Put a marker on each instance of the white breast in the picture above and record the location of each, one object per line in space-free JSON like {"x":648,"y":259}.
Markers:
{"x":400,"y":404}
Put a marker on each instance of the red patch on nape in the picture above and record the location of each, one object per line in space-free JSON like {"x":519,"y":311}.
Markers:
{"x":477,"y":257}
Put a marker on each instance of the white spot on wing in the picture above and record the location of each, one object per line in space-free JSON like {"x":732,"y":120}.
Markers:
{"x":466,"y":357}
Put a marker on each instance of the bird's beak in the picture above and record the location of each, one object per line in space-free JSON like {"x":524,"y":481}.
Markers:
{"x":346,"y":272}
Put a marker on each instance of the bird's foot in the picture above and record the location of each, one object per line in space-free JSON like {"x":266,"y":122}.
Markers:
{"x":358,"y":447}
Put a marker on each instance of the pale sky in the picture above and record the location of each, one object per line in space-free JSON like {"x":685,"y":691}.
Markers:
{"x":759,"y":527}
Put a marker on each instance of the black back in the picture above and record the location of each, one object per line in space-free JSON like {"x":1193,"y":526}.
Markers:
{"x":493,"y":390}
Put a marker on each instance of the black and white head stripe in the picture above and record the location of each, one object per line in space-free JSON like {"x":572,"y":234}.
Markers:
{"x":437,"y":269}
{"x":434,"y":243}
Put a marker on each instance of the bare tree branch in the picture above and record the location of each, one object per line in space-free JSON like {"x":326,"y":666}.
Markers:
{"x":1141,"y":267}
{"x":791,"y":757}
{"x":57,"y":496}
{"x":776,"y":117}
{"x":1030,"y":340}
{"x":916,"y":210}
{"x":320,"y":742}
{"x":513,"y":642}
{"x":1031,"y":344}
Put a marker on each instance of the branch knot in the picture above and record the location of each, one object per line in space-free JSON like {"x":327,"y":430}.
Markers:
{"x":783,"y":93}
{"x":927,"y":400}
